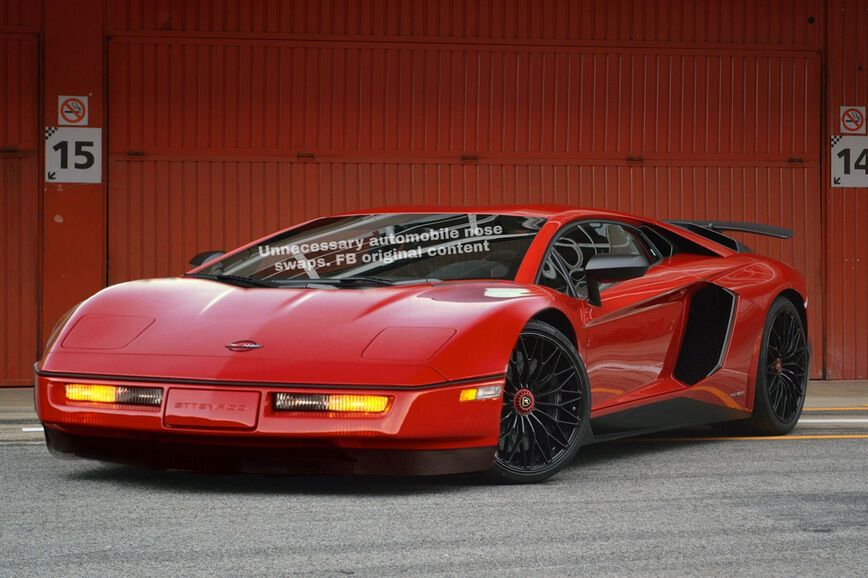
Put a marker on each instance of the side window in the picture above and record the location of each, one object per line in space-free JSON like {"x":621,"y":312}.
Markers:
{"x":564,"y":267}
{"x":662,"y":248}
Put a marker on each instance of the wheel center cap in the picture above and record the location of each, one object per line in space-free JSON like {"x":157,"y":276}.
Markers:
{"x":778,"y":365}
{"x":524,"y":401}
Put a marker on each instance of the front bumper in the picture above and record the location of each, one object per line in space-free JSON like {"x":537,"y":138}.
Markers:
{"x":228,"y":455}
{"x":424,"y":431}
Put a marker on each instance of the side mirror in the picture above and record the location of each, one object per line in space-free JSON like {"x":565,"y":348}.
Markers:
{"x":205,"y":256}
{"x":609,"y":269}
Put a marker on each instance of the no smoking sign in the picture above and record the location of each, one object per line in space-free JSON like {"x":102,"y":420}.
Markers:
{"x":853,"y":120}
{"x":72,"y":110}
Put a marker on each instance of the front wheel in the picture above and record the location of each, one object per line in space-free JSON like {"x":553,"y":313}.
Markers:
{"x":546,"y":407}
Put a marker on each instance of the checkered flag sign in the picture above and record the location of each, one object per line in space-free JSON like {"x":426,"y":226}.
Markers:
{"x":49,"y":131}
{"x":835,"y":140}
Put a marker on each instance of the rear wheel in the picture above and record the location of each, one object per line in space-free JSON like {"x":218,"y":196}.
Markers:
{"x":546,"y":404}
{"x":782,"y":375}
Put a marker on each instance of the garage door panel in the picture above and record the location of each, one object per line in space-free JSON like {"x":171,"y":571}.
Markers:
{"x":272,"y":98}
{"x":163,"y":212}
{"x":17,"y":109}
{"x":19,"y":16}
{"x":847,"y":337}
{"x":19,"y":201}
{"x":766,"y":22}
{"x":18,"y":262}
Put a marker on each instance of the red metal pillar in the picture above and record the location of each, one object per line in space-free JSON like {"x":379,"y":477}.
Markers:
{"x":73,"y":215}
{"x":846,"y":238}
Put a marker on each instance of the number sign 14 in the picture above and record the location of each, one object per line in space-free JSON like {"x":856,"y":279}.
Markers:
{"x":849,"y":161}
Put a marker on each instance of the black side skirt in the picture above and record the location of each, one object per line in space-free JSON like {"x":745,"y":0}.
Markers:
{"x":660,"y":416}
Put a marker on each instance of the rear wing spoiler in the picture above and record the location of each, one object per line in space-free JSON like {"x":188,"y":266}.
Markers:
{"x":713,"y":230}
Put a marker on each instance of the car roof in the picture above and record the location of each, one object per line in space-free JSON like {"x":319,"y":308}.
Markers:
{"x":548,"y":211}
{"x":554,"y":213}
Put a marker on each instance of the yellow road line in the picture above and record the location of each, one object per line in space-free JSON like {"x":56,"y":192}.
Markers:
{"x":757,"y":438}
{"x":864,"y":408}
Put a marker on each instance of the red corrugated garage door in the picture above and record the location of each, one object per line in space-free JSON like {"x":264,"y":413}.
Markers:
{"x":19,"y":199}
{"x":231,"y":119}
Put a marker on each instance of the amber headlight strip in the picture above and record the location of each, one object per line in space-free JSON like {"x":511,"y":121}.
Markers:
{"x":118,"y":394}
{"x":340,"y":403}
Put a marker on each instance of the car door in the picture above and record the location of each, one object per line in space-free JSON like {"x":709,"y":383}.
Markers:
{"x":628,"y":340}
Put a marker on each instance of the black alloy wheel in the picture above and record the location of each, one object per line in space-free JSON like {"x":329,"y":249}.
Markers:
{"x":786,"y":365}
{"x":546,"y":403}
{"x":782,"y":375}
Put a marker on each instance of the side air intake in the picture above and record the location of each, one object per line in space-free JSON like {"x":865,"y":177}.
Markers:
{"x":709,"y":322}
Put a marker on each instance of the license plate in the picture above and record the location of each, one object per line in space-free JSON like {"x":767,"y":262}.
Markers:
{"x":204,"y":408}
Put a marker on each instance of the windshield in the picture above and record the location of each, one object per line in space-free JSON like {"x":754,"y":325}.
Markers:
{"x":387,"y":248}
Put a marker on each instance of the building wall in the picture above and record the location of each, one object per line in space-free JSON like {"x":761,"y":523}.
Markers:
{"x":19,"y":190}
{"x":226,"y":120}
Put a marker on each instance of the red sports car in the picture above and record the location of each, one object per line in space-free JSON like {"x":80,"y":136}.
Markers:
{"x":430,"y":341}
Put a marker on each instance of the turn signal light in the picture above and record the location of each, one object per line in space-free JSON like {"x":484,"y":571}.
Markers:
{"x":342,"y":403}
{"x":94,"y":393}
{"x":484,"y":392}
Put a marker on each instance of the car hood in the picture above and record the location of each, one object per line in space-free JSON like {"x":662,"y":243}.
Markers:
{"x":185,"y":328}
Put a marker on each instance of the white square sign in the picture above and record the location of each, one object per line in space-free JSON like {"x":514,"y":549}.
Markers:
{"x":849,"y":161}
{"x":72,"y":110}
{"x":73,"y":155}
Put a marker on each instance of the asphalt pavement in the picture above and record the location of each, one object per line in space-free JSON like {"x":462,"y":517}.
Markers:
{"x":678,"y":504}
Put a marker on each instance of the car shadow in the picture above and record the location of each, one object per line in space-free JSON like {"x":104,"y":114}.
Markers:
{"x":336,"y":485}
{"x":205,"y":483}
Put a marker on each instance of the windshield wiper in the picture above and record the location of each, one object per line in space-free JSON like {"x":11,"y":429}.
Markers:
{"x":238,"y":280}
{"x":347,"y":281}
{"x":424,"y":280}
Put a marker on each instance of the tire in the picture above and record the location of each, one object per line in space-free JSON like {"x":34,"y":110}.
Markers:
{"x":782,"y":374}
{"x":546,"y":407}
